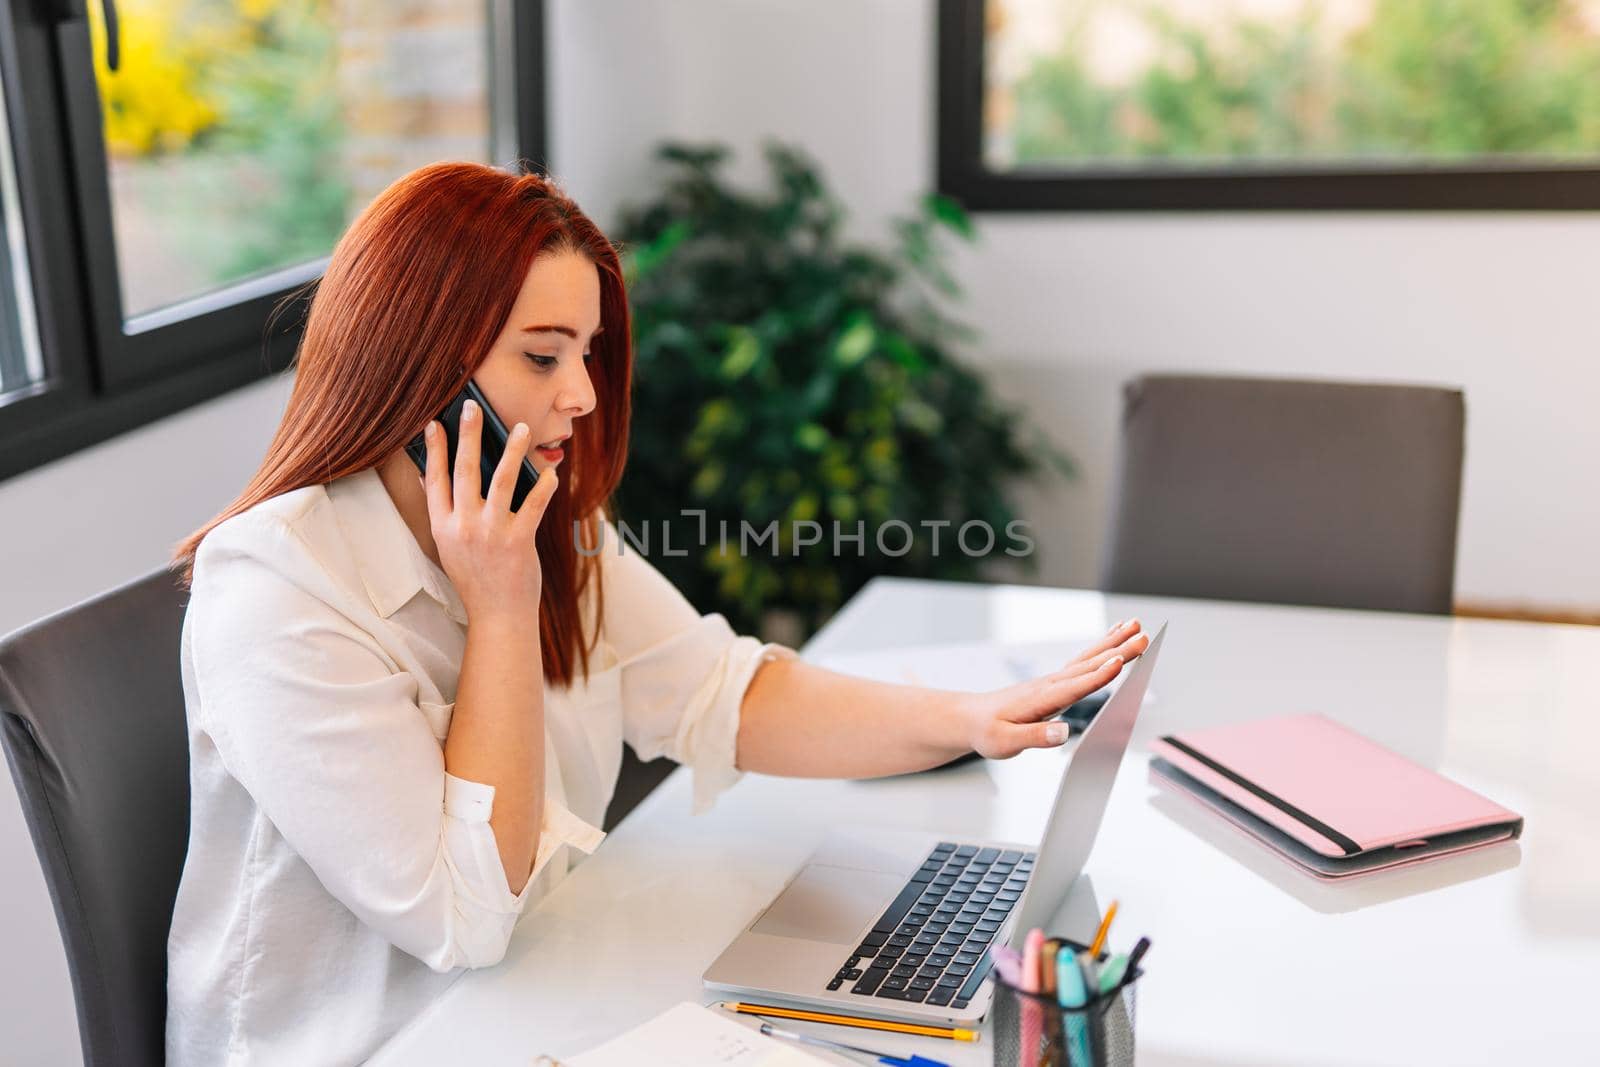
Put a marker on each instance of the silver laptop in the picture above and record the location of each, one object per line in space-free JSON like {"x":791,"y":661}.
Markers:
{"x":898,"y":926}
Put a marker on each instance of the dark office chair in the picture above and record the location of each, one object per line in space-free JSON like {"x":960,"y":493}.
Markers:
{"x":1300,"y":492}
{"x":92,"y":722}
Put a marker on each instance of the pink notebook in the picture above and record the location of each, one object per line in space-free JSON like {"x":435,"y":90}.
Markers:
{"x":1327,"y":798}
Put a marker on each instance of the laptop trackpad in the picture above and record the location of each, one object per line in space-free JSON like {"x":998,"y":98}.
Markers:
{"x":829,"y":904}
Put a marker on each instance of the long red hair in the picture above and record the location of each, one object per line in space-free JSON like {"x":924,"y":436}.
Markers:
{"x":415,"y":294}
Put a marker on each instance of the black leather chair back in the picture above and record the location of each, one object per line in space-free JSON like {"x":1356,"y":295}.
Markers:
{"x":1299,"y":492}
{"x":92,"y":722}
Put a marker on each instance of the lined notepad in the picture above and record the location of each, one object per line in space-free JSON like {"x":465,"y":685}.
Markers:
{"x":690,"y":1035}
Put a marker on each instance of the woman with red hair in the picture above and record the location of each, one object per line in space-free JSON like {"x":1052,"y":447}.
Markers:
{"x":407,"y":701}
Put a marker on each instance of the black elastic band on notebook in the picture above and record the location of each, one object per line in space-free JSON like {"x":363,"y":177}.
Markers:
{"x":1349,"y":846}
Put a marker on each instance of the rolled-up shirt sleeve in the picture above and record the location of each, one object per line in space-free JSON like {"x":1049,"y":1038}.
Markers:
{"x":684,"y":674}
{"x":478,"y":874}
{"x":325,"y":733}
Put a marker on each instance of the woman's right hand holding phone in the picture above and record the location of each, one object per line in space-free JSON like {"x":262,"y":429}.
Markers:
{"x":496,"y":734}
{"x":487,"y":549}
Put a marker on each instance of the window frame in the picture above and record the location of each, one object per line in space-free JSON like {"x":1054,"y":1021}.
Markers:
{"x":961,"y":172}
{"x":100,"y":381}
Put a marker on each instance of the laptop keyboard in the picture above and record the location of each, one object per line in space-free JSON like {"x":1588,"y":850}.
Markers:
{"x":932,"y":945}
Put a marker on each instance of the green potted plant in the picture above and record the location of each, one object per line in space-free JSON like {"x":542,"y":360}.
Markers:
{"x":786,"y":376}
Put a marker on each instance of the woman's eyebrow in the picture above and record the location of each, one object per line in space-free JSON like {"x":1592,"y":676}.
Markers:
{"x":554,"y":328}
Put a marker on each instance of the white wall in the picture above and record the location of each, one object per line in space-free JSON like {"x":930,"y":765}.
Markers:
{"x":1071,"y":306}
{"x":99,"y":517}
{"x":1500,"y":305}
{"x":73,"y":529}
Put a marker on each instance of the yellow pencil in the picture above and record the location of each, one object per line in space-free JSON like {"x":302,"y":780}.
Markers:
{"x":1105,"y":927}
{"x":954,"y":1033}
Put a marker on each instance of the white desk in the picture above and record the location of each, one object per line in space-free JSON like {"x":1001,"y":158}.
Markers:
{"x":1487,"y":958}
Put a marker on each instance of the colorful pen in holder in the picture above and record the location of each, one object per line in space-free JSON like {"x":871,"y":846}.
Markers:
{"x":1076,"y":1025}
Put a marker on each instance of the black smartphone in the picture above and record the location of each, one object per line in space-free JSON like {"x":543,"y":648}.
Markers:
{"x":492,"y":445}
{"x":1081,"y":714}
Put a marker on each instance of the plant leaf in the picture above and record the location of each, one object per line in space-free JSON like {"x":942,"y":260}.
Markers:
{"x":643,"y":260}
{"x":950,"y":213}
{"x":855,"y":342}
{"x":741,"y":355}
{"x":811,"y":437}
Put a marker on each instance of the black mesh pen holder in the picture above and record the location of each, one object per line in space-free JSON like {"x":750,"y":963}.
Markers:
{"x":1033,"y":1030}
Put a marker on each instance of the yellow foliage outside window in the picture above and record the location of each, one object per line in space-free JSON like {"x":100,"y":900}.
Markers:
{"x":163,"y":94}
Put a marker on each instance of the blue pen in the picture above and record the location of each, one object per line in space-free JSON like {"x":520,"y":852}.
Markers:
{"x":1073,"y":993}
{"x":837,"y":1046}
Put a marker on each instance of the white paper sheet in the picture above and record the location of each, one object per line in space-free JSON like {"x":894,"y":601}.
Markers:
{"x":690,"y":1035}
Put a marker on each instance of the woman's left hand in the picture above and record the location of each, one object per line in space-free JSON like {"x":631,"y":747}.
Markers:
{"x":1006,"y":721}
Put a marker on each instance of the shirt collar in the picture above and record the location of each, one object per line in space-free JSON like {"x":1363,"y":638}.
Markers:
{"x":393,"y":566}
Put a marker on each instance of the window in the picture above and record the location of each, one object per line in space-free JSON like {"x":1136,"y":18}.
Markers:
{"x":20,"y":363}
{"x":1108,"y":104}
{"x":180,"y":176}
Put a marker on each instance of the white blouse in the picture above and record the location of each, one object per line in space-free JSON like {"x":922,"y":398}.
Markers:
{"x":337,"y":877}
